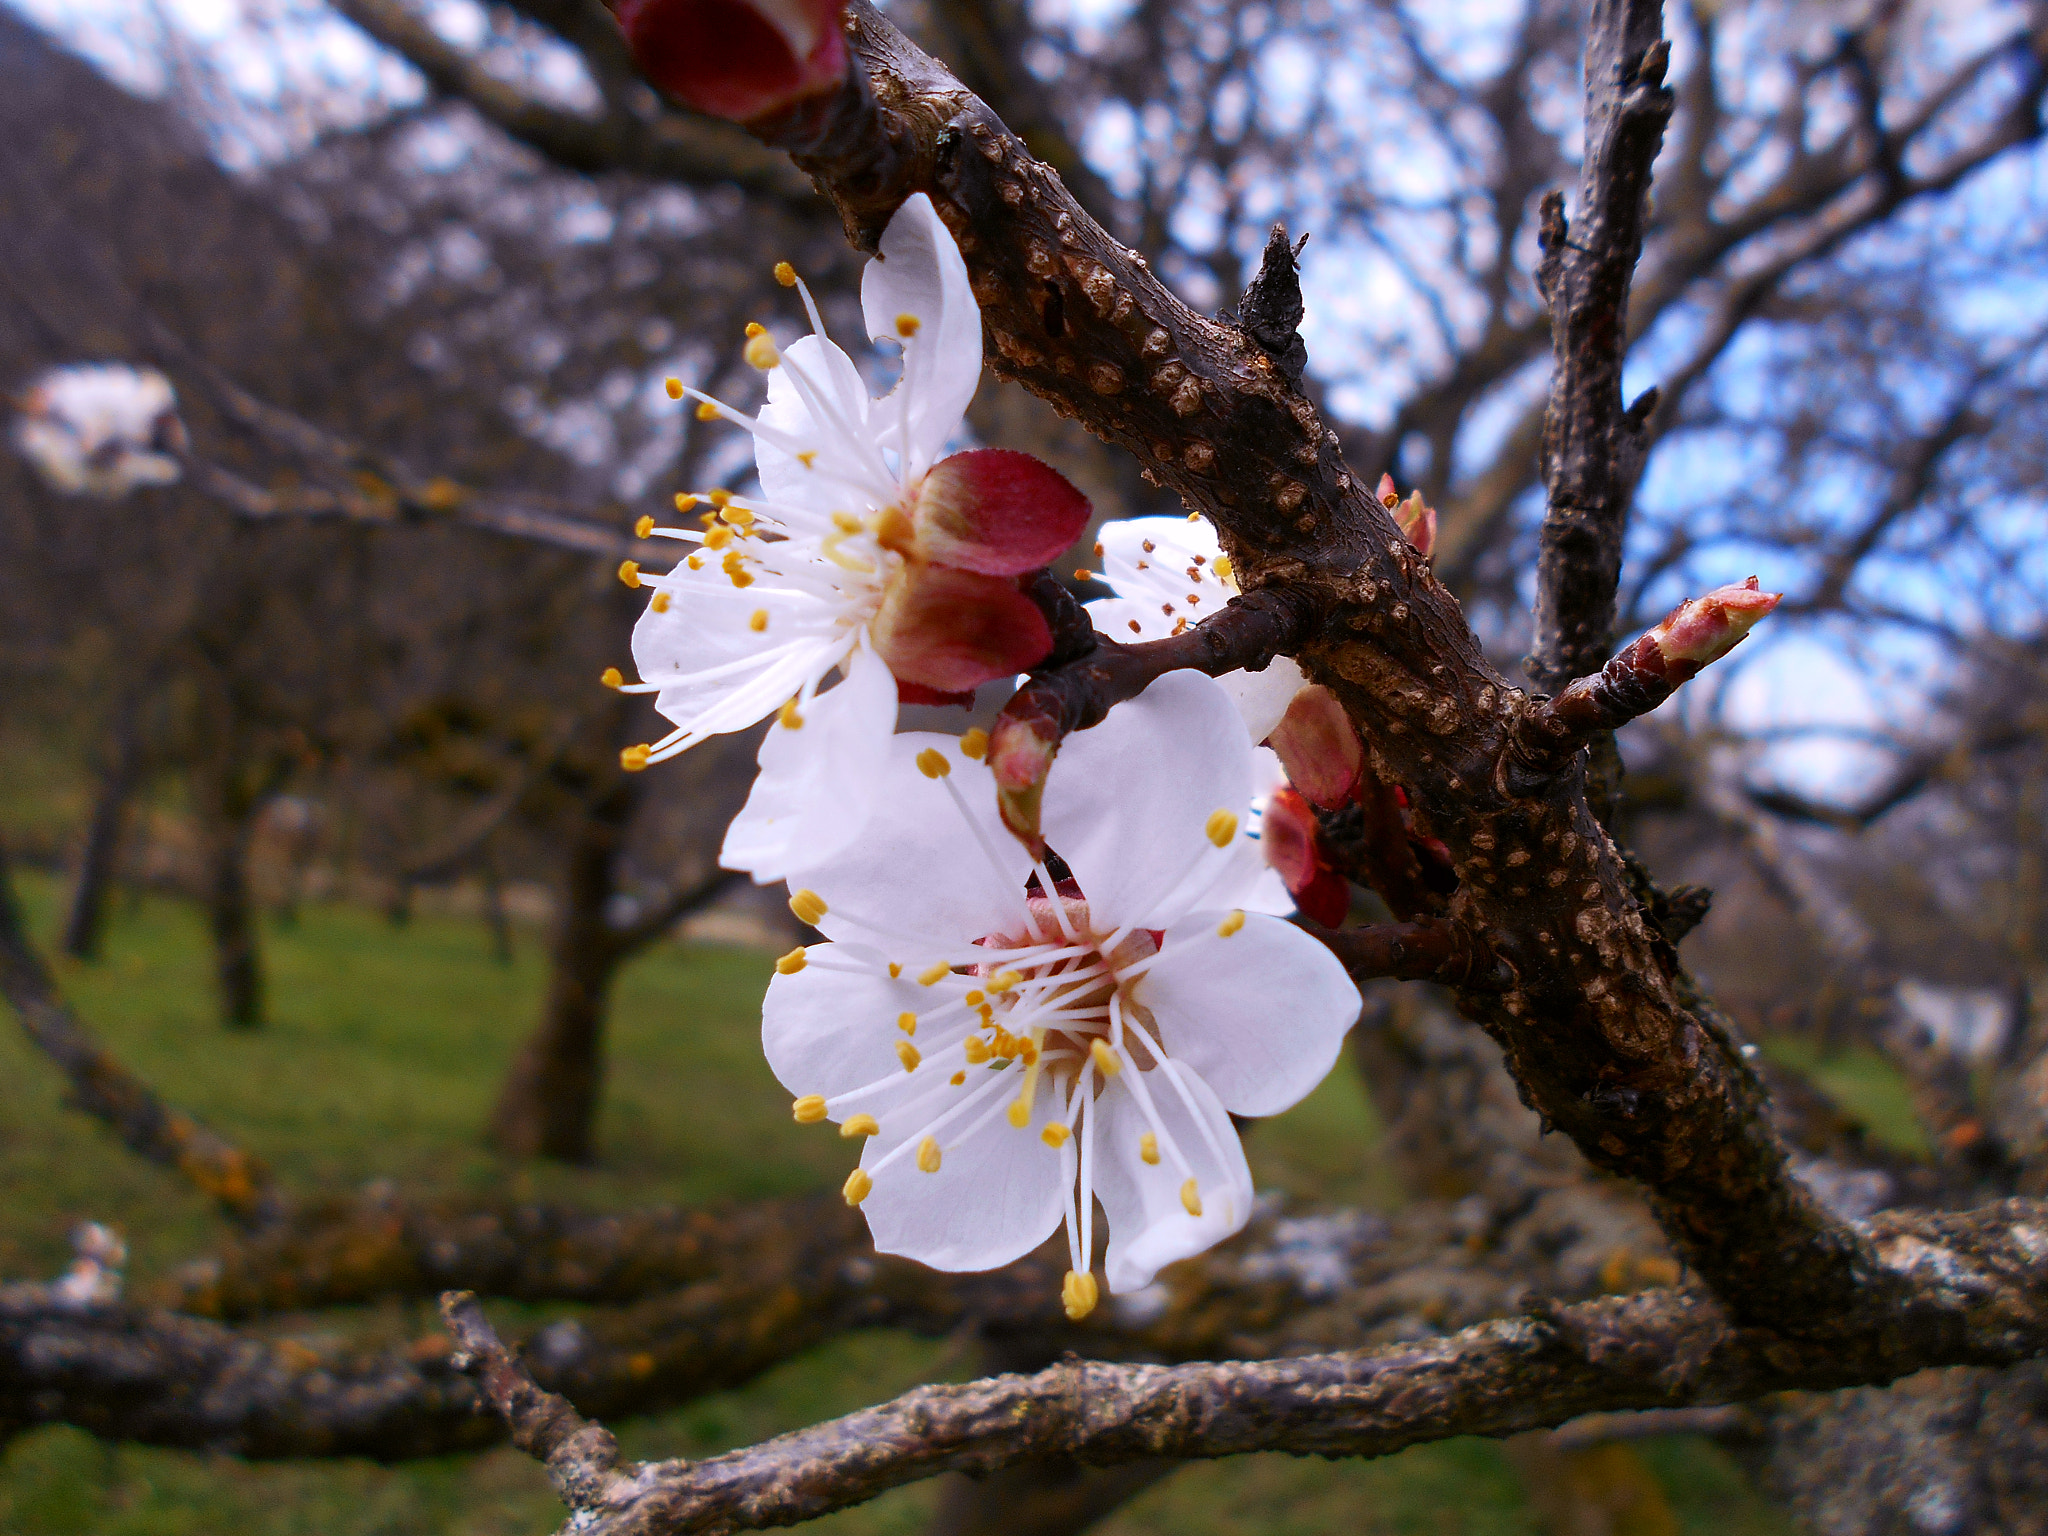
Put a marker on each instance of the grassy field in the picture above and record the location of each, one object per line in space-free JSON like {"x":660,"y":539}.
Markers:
{"x":379,"y":1063}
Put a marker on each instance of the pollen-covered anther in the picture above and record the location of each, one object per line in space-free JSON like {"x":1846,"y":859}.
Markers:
{"x":1078,"y":1295}
{"x":706,"y":411}
{"x":857,"y":1186}
{"x":1191,"y":1198}
{"x":974,"y":744}
{"x":785,"y":274}
{"x":717,"y":537}
{"x":761,"y":352}
{"x":809,"y":1109}
{"x":1002,"y":981}
{"x":1148,"y":1150}
{"x":908,"y":1055}
{"x":932,"y":763}
{"x":1221,"y":827}
{"x":808,"y":907}
{"x":674,"y":388}
{"x":611,"y":677}
{"x":738,"y":516}
{"x":661,"y":602}
{"x":1055,"y":1135}
{"x":758,"y":620}
{"x":791,"y":963}
{"x":1230,"y":924}
{"x":634,"y":758}
{"x":928,"y":1155}
{"x":976,"y":1050}
{"x":789,"y":717}
{"x":860,"y":1125}
{"x":644,"y":527}
{"x":629,"y":572}
{"x":1019,"y":1113}
{"x":1106,"y":1060}
{"x":907,"y":1022}
{"x":957,"y":1078}
{"x":934,"y":973}
{"x":907,"y":326}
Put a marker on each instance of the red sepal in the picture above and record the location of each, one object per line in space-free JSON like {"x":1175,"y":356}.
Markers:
{"x":737,"y":59}
{"x":951,"y":630}
{"x":996,"y":511}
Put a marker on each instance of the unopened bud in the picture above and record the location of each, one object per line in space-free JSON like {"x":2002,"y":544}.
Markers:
{"x":1702,"y":630}
{"x":737,"y":59}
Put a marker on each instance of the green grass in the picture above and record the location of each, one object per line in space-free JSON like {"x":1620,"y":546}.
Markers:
{"x":384,"y":1049}
{"x":1862,"y":1083}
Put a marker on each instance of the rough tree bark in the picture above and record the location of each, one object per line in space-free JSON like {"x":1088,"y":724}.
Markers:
{"x":85,"y":923}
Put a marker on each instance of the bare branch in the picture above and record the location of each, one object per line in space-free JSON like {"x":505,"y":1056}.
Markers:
{"x":577,"y":1453}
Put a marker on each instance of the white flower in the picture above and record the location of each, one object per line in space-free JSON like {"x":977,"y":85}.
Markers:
{"x":101,"y":429}
{"x":1015,"y":1048}
{"x":1170,"y":572}
{"x":865,"y":554}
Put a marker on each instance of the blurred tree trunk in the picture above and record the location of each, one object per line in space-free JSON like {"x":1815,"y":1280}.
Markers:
{"x":85,"y":926}
{"x":230,"y":913}
{"x":548,"y":1106}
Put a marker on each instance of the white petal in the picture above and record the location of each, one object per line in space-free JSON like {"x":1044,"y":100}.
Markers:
{"x":1114,"y":616}
{"x":1127,"y":801}
{"x":920,"y":275}
{"x":1175,"y":542}
{"x":918,"y":866}
{"x":817,"y":783}
{"x":999,"y":1191}
{"x":831,"y":435}
{"x":1262,"y":697}
{"x":826,"y":1030}
{"x":1261,"y":1015}
{"x":1149,"y":1228}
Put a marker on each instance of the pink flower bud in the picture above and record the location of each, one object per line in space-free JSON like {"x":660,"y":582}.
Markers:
{"x":736,"y":59}
{"x":1387,"y":492}
{"x":1702,"y":630}
{"x":1293,"y":844}
{"x":1020,"y":751}
{"x":1418,"y":523}
{"x":1318,"y":747}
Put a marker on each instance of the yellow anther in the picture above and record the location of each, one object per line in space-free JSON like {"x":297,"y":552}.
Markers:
{"x":907,"y":326}
{"x":1029,"y":1054}
{"x":1020,"y":1113}
{"x":846,"y":522}
{"x":808,"y":458}
{"x":644,"y":527}
{"x":1002,"y":981}
{"x":758,"y":620}
{"x":860,"y":1125}
{"x":674,"y":388}
{"x":932,"y":763}
{"x":934,"y":973}
{"x":629,"y":572}
{"x":611,"y":677}
{"x":706,"y":411}
{"x":976,"y":1050}
{"x":754,"y":328}
{"x":738,"y":577}
{"x":717,"y":537}
{"x":809,"y":1109}
{"x":760,"y":352}
{"x":907,"y":1054}
{"x":957,"y":1079}
{"x":1107,"y":1062}
{"x":720,"y":499}
{"x":1221,"y":827}
{"x":1078,"y":1295}
{"x":907,"y":1022}
{"x":808,"y":906}
{"x":1223,"y":567}
{"x":895,"y":970}
{"x":685,"y":501}
{"x":857,"y":1186}
{"x":633,"y":759}
{"x":1148,"y":1149}
{"x":785,"y":274}
{"x":738,"y":516}
{"x":1230,"y":924}
{"x":1055,"y":1135}
{"x":830,"y":550}
{"x":695,"y":562}
{"x":928,"y":1155}
{"x":1191,"y":1198}
{"x":974,"y":999}
{"x":974,"y":744}
{"x":790,"y":719}
{"x":792,"y":962}
{"x":1194,"y":517}
{"x":661,"y":602}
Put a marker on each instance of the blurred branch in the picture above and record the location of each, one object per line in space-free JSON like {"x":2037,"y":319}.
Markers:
{"x":1593,"y":449}
{"x":108,"y":1091}
{"x":661,"y":143}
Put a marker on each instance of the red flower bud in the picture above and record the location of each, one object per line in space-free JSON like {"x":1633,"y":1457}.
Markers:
{"x":736,"y":59}
{"x":1293,"y":844}
{"x":1702,"y":630}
